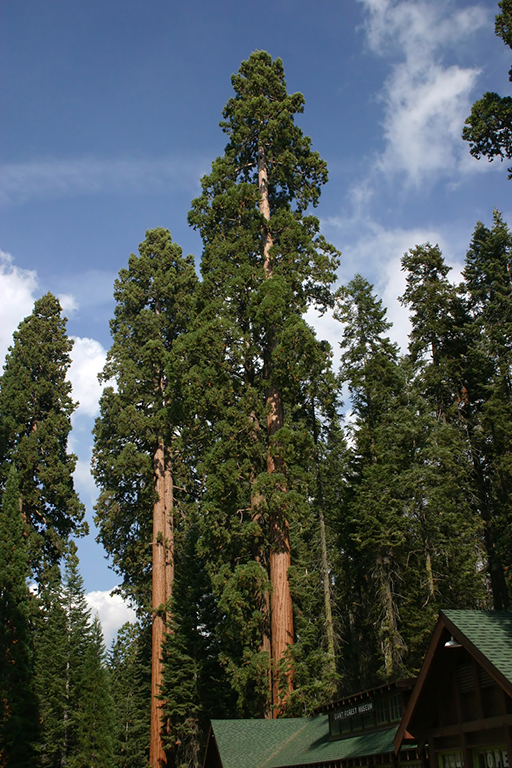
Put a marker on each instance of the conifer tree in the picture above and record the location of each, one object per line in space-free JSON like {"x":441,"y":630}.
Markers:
{"x":51,"y":640}
{"x":409,"y":483}
{"x":18,"y":710}
{"x":370,"y":367}
{"x":136,"y":455}
{"x":264,"y":263}
{"x":437,"y":343}
{"x":63,"y":640}
{"x":79,"y":639}
{"x":130,"y":675}
{"x":487,"y":405}
{"x":36,"y":406}
{"x":95,"y":712}
{"x":488,"y":129}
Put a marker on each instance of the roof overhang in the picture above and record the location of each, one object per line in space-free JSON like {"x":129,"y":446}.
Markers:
{"x":444,"y":625}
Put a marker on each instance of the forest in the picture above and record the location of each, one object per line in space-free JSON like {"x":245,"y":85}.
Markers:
{"x":287,"y":532}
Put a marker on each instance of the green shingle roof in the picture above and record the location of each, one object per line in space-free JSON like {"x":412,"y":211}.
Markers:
{"x":291,"y":741}
{"x":490,"y":632}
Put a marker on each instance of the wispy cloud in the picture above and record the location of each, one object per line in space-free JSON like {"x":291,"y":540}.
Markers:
{"x":425,"y":99}
{"x":20,"y":182}
{"x":375,"y":251}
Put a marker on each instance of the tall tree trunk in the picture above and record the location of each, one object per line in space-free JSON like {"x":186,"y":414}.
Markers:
{"x":162,"y":579}
{"x":499,"y":589}
{"x":392,"y":643}
{"x":280,"y":561}
{"x":280,"y":557}
{"x":329,"y":624}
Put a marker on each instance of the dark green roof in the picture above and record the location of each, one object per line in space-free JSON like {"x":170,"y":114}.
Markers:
{"x":491,"y":634}
{"x":291,"y":741}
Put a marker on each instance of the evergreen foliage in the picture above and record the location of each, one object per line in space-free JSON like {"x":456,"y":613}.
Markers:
{"x":18,"y":710}
{"x":94,"y":715}
{"x":154,"y":303}
{"x":52,"y":670}
{"x":264,"y":263}
{"x":130,"y":678}
{"x":488,"y":129}
{"x":487,"y":405}
{"x":275,"y":556}
{"x":411,"y":538}
{"x":36,"y":406}
{"x":76,"y":711}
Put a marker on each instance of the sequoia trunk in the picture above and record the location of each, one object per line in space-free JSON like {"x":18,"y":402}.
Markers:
{"x":280,"y":558}
{"x":162,"y":579}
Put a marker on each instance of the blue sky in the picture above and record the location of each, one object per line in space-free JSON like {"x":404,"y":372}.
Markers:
{"x":110,"y":115}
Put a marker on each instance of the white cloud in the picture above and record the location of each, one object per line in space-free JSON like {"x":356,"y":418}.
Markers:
{"x":20,"y":182}
{"x":112,"y":611}
{"x":17,"y":288}
{"x":425,"y":100}
{"x":82,"y":477}
{"x":88,"y":358}
{"x":68,"y":302}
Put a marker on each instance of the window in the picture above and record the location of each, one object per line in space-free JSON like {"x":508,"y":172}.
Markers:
{"x":382,"y":711}
{"x":395,"y":707}
{"x":334,"y":725}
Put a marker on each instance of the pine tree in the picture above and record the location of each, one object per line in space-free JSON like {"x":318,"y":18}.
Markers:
{"x":79,"y":639}
{"x":437,"y":343}
{"x":95,"y":713}
{"x":62,"y":639}
{"x":487,"y":404}
{"x":136,"y":455}
{"x":370,"y":367}
{"x":36,"y":406}
{"x":411,"y":545}
{"x":264,"y":263}
{"x":130,"y":675}
{"x":52,"y":670}
{"x":18,"y":710}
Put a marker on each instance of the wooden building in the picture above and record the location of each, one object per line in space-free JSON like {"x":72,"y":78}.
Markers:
{"x":457,"y":714}
{"x":460,"y":710}
{"x":358,"y":730}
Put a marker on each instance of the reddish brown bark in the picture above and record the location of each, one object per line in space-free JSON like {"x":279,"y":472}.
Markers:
{"x":280,"y":559}
{"x":162,"y":579}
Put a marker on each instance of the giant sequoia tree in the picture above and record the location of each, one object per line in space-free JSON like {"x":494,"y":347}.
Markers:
{"x":137,"y":434}
{"x":264,"y":263}
{"x":36,"y":406}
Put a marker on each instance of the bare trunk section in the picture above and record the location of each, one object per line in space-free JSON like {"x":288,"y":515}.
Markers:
{"x":280,"y":561}
{"x":430,"y":576}
{"x":281,"y":623}
{"x":264,"y":208}
{"x":392,"y":643}
{"x":256,"y":500}
{"x":329,"y":624}
{"x":162,"y":579}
